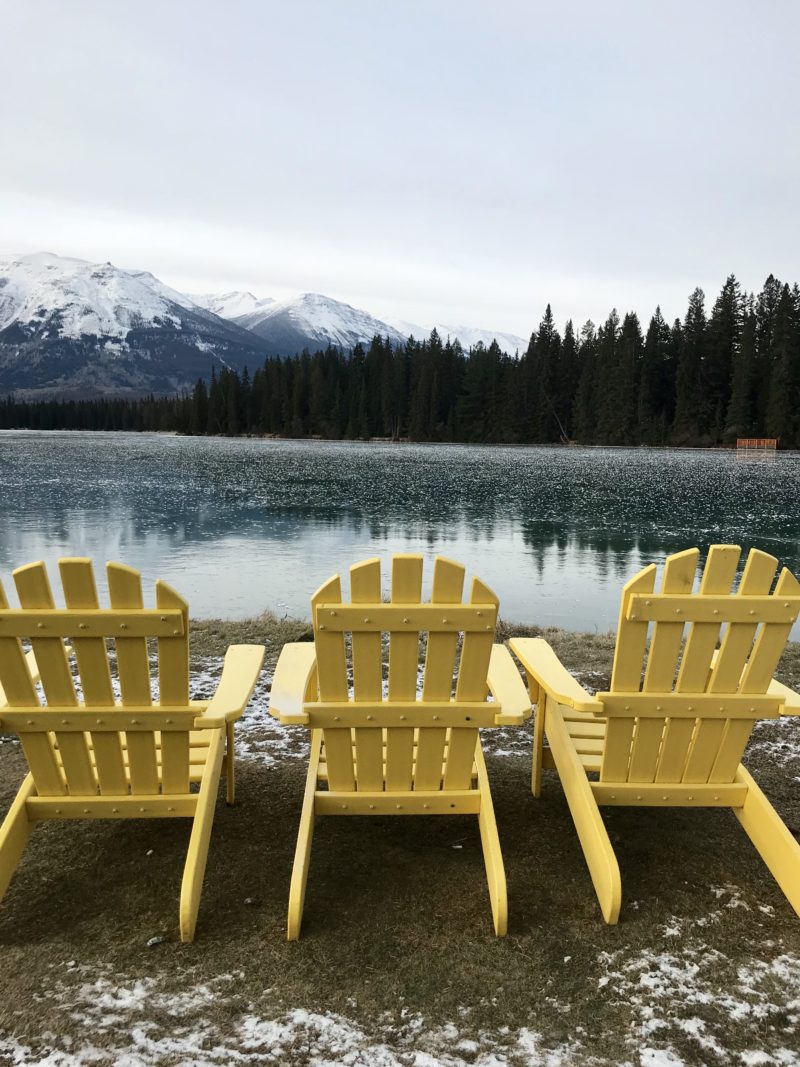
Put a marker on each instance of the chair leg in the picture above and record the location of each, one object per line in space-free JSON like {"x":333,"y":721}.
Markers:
{"x":302,"y":855}
{"x":774,"y":841}
{"x":602,"y":862}
{"x":195,"y":867}
{"x":230,"y":768}
{"x":538,"y":742}
{"x":14,"y":833}
{"x":492,"y":856}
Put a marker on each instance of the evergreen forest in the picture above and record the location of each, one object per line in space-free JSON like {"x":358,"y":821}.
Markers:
{"x":728,"y":371}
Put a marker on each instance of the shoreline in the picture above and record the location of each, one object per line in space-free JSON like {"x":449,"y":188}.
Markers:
{"x":407,"y":442}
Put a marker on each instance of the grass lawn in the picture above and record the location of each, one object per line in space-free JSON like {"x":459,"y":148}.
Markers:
{"x":398,"y":963}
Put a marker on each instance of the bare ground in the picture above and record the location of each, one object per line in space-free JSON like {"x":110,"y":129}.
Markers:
{"x":398,"y":964}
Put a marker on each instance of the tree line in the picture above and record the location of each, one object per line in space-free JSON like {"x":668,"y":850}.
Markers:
{"x":733,"y":371}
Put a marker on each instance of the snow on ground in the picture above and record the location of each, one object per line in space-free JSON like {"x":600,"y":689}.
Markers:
{"x":138,"y":1024}
{"x":687,"y":990}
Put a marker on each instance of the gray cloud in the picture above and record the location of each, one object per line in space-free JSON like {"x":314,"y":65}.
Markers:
{"x":461,"y":161}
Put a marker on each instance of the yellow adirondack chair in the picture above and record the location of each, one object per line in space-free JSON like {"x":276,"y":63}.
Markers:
{"x":91,"y":755}
{"x":395,"y":751}
{"x":673,"y":727}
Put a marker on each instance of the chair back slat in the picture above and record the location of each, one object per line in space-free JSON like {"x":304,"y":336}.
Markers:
{"x":698,"y":653}
{"x":133,"y":663}
{"x":750,"y":627}
{"x":365,"y":588}
{"x":332,"y":681}
{"x":626,"y":676}
{"x":440,"y":662}
{"x":472,"y":673}
{"x":20,"y":692}
{"x":403,"y":671}
{"x":91,"y":654}
{"x":662,"y":666}
{"x":33,"y":589}
{"x":390,"y":739}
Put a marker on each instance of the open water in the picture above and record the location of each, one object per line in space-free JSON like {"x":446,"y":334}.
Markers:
{"x":240,"y":526}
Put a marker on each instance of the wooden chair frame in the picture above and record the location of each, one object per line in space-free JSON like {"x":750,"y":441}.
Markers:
{"x":399,"y":753}
{"x":92,"y":756}
{"x":673,"y":727}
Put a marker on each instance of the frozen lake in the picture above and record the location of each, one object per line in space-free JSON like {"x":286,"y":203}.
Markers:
{"x":238,"y":526}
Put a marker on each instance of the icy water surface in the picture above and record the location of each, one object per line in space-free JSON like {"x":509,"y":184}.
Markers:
{"x":238,"y":526}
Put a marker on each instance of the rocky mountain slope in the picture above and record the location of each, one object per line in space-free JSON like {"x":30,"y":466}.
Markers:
{"x":73,"y":328}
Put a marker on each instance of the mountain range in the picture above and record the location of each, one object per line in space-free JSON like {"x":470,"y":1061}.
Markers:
{"x":71,"y":328}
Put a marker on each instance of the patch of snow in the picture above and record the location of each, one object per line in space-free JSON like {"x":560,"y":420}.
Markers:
{"x":117,"y":1022}
{"x":78,"y":298}
{"x":231,"y":305}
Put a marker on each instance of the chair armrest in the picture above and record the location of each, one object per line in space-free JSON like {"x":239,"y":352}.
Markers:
{"x":240,"y":673}
{"x":791,"y":700}
{"x":542,"y":664}
{"x":293,"y":671}
{"x":507,"y":688}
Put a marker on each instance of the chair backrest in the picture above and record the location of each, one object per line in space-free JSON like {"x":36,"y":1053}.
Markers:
{"x":681,"y":708}
{"x":406,"y":728}
{"x":93,"y":725}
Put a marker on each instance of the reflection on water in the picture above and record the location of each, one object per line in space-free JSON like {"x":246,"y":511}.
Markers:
{"x":239,"y":526}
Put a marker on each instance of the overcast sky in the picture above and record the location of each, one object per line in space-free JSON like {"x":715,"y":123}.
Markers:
{"x":457,"y":161}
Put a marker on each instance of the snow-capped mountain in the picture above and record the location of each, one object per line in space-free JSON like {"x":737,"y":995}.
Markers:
{"x":68,"y":326}
{"x":467,"y":335}
{"x":231,"y":305}
{"x":313,"y":321}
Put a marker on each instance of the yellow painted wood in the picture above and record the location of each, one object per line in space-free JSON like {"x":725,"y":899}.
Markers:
{"x":668,"y":794}
{"x":145,"y":757}
{"x":409,"y":753}
{"x":472,"y":684}
{"x":592,"y":834}
{"x":690,"y":706}
{"x":400,"y":713}
{"x":173,"y":652}
{"x":173,"y":691}
{"x":662,"y":667}
{"x":775,"y":843}
{"x":416,"y":802}
{"x":665,"y":608}
{"x":302,"y":855}
{"x":410,"y":617}
{"x":438,"y":683}
{"x":110,"y":807}
{"x":790,"y":700}
{"x":291,"y":683}
{"x":365,"y":588}
{"x":133,"y":665}
{"x":492,"y":855}
{"x":80,"y":592}
{"x":537,"y":755}
{"x":708,"y":711}
{"x":626,"y":676}
{"x":507,"y":688}
{"x":14,"y":833}
{"x":332,"y":669}
{"x":726,"y":674}
{"x":701,"y":643}
{"x":770,"y":642}
{"x":33,"y":588}
{"x":197,"y":853}
{"x":544,"y":668}
{"x":403,"y":667}
{"x":76,"y":624}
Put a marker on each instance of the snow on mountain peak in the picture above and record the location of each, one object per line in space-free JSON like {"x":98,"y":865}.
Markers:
{"x":231,"y":305}
{"x":81,"y":298}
